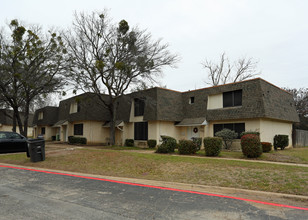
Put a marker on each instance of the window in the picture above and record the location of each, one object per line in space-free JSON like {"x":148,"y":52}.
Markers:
{"x":40,"y":116}
{"x":78,"y":129}
{"x":237,"y":127}
{"x":192,"y":100}
{"x":139,"y":107}
{"x":75,"y":107}
{"x":141,"y":130}
{"x":233,"y":98}
{"x":14,"y":136}
{"x":43,"y":130}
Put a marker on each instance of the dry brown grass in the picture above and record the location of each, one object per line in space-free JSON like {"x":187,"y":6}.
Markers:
{"x":237,"y":174}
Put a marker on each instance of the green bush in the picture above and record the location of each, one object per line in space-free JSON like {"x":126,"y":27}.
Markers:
{"x":197,"y":142}
{"x":266,"y":147}
{"x":77,"y":140}
{"x":250,"y":132}
{"x":212,"y":146}
{"x":251,"y":146}
{"x":281,"y":141}
{"x":152,"y":143}
{"x":168,"y":145}
{"x":129,"y":142}
{"x":187,"y":147}
{"x":227,"y":136}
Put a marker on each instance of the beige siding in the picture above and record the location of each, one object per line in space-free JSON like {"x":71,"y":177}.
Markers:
{"x":269,"y":128}
{"x":215,"y":101}
{"x":49,"y":132}
{"x":10,"y":128}
{"x":92,"y":130}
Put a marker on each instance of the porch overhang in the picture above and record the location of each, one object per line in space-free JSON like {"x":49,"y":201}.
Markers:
{"x":117,"y":124}
{"x":190,"y":122}
{"x":60,"y":123}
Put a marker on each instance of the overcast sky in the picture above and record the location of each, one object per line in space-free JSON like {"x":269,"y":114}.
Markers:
{"x":274,"y":32}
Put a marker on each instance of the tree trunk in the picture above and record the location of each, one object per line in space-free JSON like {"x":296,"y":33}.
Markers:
{"x":14,"y":122}
{"x":19,"y":122}
{"x":26,"y":117}
{"x":112,"y":123}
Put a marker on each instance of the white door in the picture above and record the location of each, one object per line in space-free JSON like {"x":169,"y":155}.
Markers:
{"x":193,"y":132}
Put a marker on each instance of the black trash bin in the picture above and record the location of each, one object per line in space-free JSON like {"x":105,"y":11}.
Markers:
{"x":36,"y":149}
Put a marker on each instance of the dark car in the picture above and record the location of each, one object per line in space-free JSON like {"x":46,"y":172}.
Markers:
{"x":11,"y":142}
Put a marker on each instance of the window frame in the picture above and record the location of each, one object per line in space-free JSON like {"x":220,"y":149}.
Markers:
{"x":78,"y":129}
{"x":232,"y":98}
{"x":191,"y":100}
{"x":139,"y":106}
{"x":235,"y":127}
{"x":141,"y":131}
{"x":43,"y":130}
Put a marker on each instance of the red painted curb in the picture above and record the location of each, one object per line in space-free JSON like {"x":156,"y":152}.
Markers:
{"x":158,"y":187}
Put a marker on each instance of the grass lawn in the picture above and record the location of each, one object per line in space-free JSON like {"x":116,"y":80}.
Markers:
{"x":288,"y":155}
{"x":212,"y":172}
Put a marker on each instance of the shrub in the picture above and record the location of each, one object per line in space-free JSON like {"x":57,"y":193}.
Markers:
{"x":250,"y":132}
{"x":77,"y":140}
{"x":197,"y":142}
{"x":212,"y":146}
{"x":187,"y":147}
{"x":129,"y":142}
{"x":281,"y":141}
{"x":168,"y":145}
{"x":151,"y":143}
{"x":251,"y":146}
{"x":227,"y":136}
{"x":266,"y":147}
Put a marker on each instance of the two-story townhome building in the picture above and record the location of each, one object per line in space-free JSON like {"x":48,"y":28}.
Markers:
{"x":252,"y":105}
{"x":6,"y":121}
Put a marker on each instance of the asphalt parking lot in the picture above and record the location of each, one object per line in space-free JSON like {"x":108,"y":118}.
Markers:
{"x":26,"y":194}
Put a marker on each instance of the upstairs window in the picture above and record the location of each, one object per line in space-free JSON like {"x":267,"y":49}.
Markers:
{"x":233,"y":98}
{"x":75,"y":107}
{"x":40,"y":115}
{"x":78,"y":129}
{"x":139,"y":107}
{"x":237,"y":127}
{"x":192,"y":100}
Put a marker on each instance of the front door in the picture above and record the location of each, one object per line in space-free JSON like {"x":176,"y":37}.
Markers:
{"x":193,"y":131}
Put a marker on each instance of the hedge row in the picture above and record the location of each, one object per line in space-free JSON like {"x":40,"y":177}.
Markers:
{"x":77,"y":140}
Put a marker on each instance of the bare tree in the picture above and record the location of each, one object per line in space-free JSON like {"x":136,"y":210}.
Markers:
{"x":225,"y":72}
{"x":109,"y":58}
{"x":31,"y":64}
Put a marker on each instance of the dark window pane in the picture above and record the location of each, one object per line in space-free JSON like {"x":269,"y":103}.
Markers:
{"x":192,"y":100}
{"x":141,"y":130}
{"x":233,"y":98}
{"x":78,"y":107}
{"x":43,"y":130}
{"x":78,"y":129}
{"x":227,"y":99}
{"x":139,"y":107}
{"x":229,"y":126}
{"x":238,"y":98}
{"x":239,"y":128}
{"x":217,"y":127}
